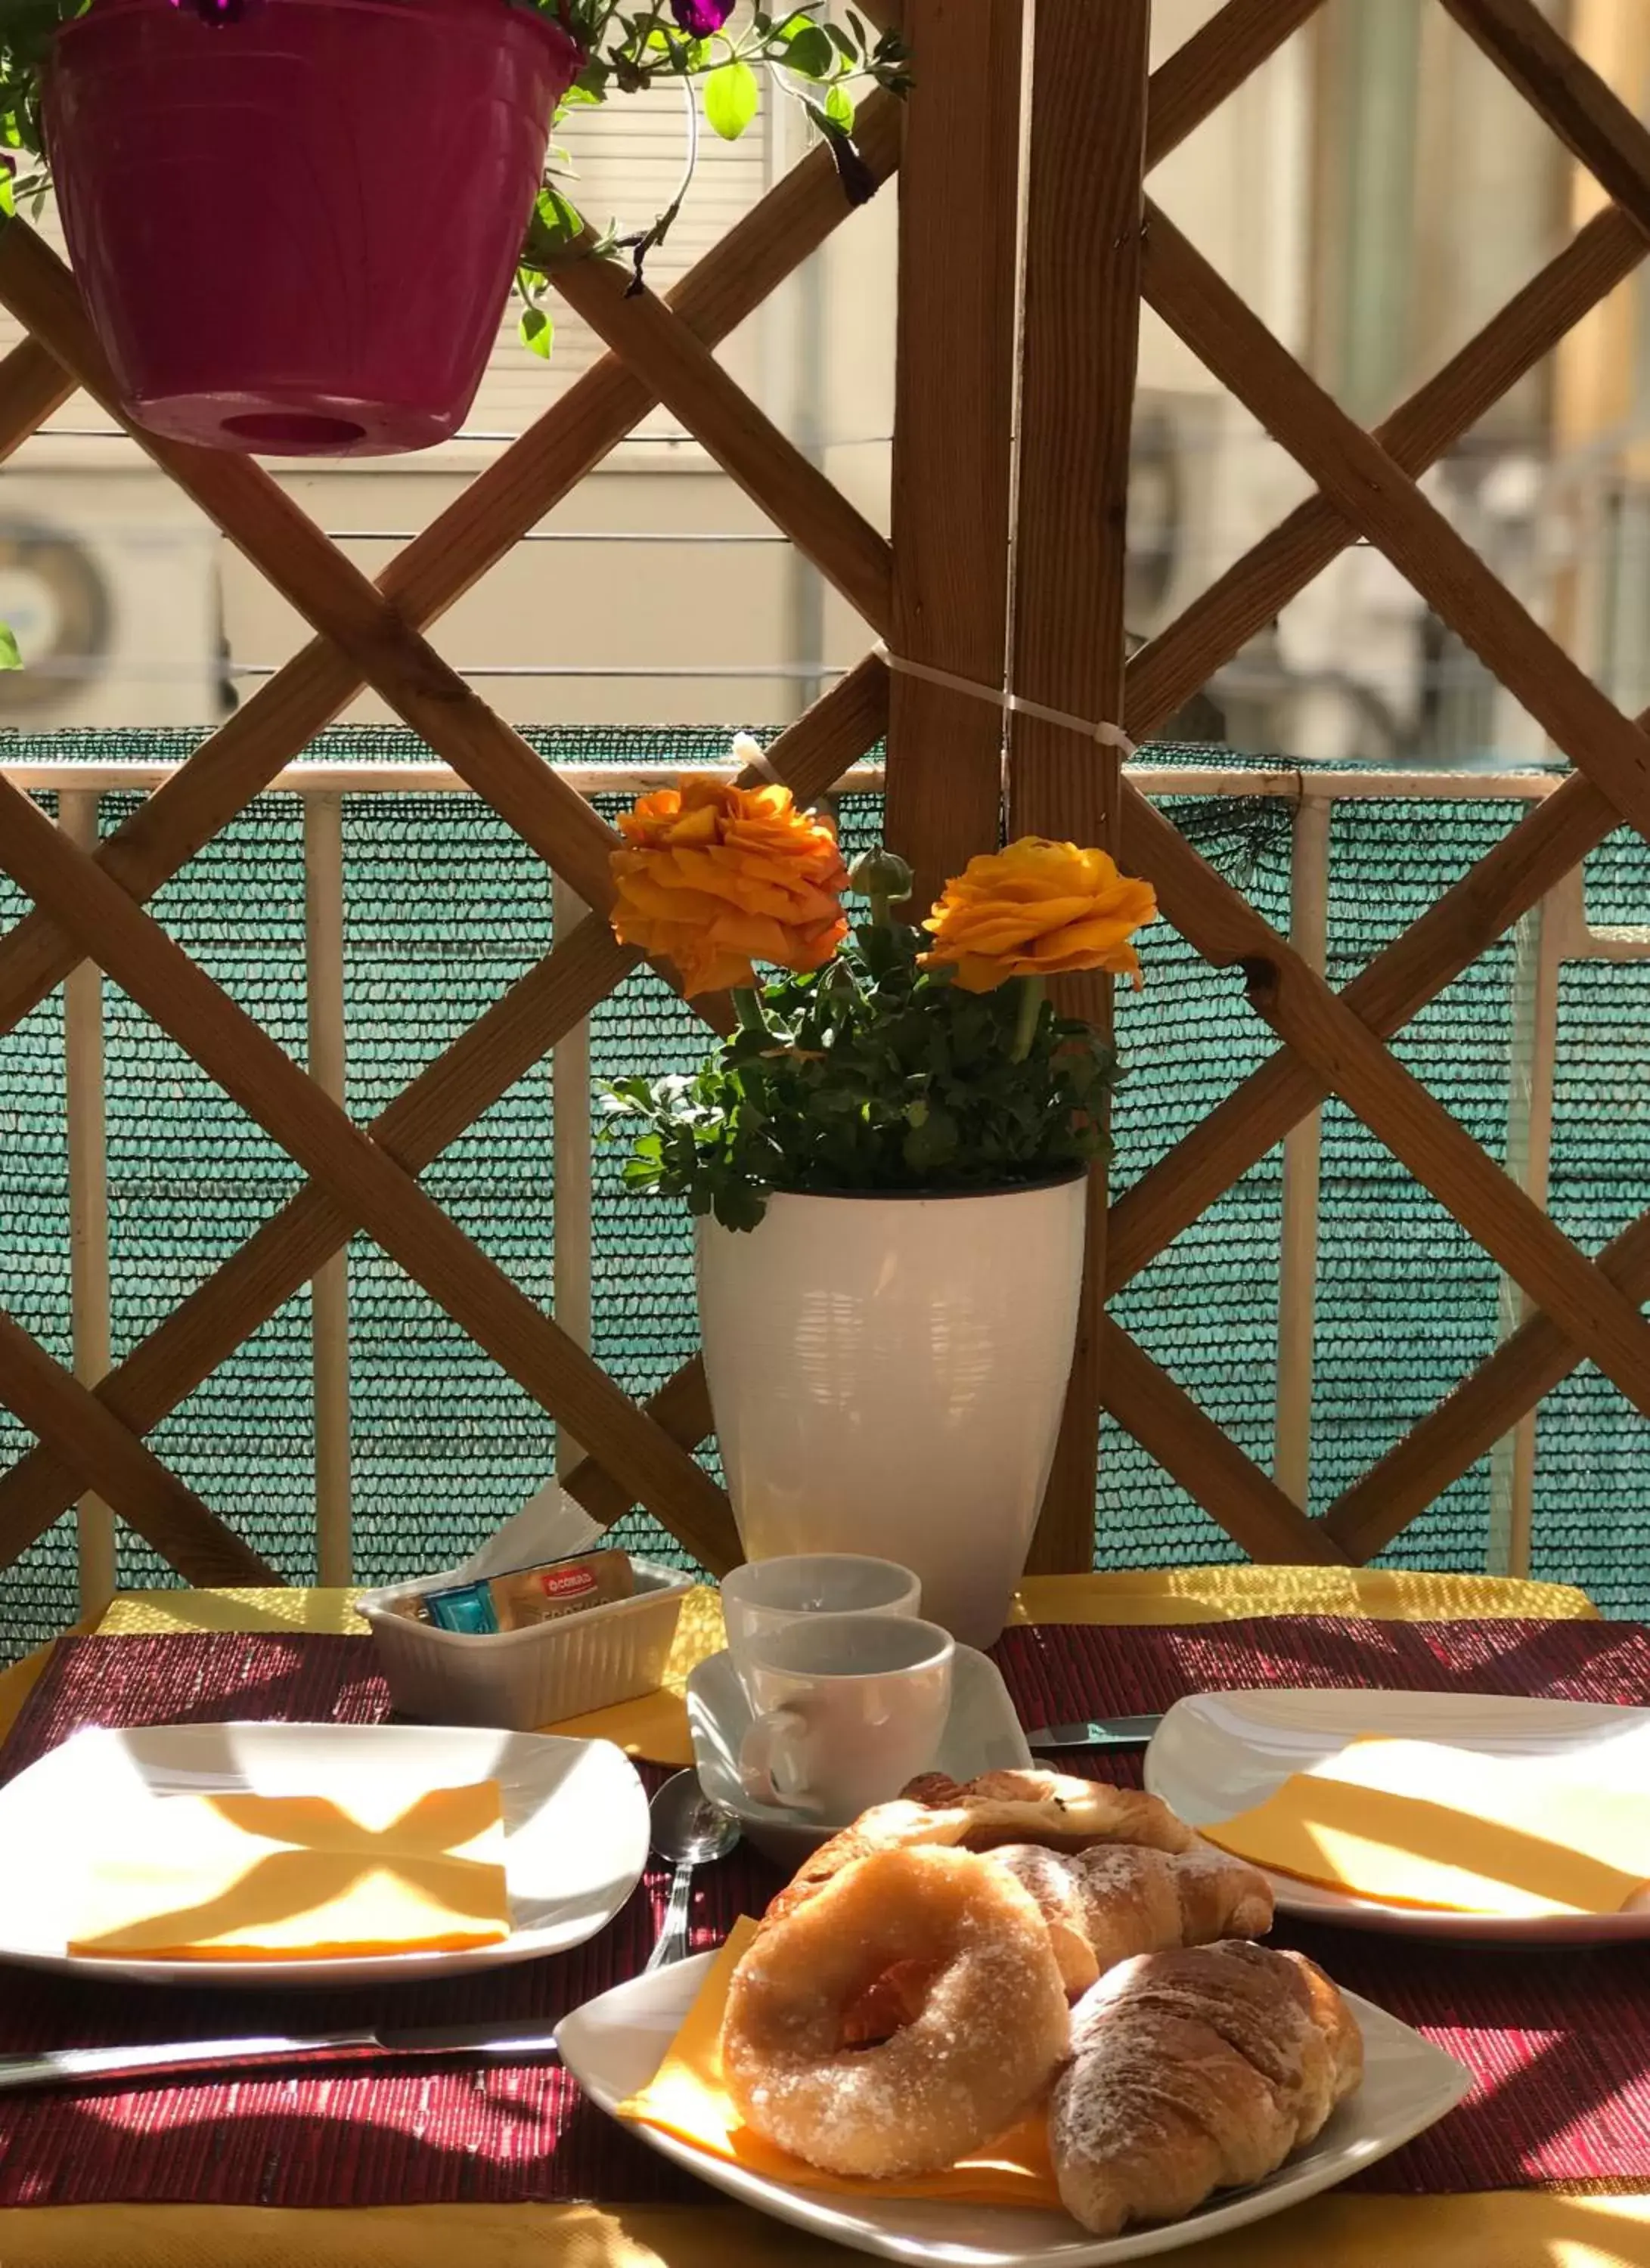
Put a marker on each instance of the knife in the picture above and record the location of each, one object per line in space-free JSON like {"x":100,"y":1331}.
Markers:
{"x":83,"y":2067}
{"x":1099,"y":1733}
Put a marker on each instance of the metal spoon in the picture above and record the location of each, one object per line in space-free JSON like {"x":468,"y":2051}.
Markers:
{"x":689,"y":1829}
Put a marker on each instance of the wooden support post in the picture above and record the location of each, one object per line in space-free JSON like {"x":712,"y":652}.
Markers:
{"x":329,"y":1286}
{"x":953,"y":430}
{"x":570,"y":1145}
{"x":1298,"y":1268}
{"x":88,"y":1212}
{"x":1539,"y":945}
{"x":1081,"y":327}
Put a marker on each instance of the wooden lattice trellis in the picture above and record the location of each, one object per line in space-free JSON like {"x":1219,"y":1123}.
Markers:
{"x":1095,"y":249}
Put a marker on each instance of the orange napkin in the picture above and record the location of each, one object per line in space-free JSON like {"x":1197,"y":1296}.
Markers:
{"x":297,"y":1878}
{"x":685,"y":2097}
{"x":1415,"y":1822}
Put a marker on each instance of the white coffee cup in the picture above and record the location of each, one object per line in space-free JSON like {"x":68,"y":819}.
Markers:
{"x":766,"y":1595}
{"x":845,"y":1710}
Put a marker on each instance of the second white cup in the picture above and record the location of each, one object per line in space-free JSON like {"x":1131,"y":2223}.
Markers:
{"x":766,"y":1595}
{"x":845,"y":1710}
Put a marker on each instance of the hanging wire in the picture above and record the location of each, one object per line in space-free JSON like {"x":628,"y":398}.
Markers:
{"x":785,"y":670}
{"x":673,"y":438}
{"x":573,"y":535}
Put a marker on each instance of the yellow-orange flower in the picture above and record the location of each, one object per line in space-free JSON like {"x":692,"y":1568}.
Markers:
{"x":1037,"y":908}
{"x":714,"y":877}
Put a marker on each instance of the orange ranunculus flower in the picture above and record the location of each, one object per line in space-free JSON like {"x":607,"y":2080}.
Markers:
{"x":714,"y":877}
{"x":1037,"y":908}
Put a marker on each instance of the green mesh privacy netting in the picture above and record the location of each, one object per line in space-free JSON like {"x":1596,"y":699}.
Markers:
{"x":445,"y":907}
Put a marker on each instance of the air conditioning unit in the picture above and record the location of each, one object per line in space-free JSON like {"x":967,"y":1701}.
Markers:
{"x":108,"y":576}
{"x":109,"y":581}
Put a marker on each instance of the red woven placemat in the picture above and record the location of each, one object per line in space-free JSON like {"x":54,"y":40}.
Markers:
{"x":1560,"y":2044}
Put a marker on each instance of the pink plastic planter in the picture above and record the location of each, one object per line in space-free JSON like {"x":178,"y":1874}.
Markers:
{"x":296,"y":233}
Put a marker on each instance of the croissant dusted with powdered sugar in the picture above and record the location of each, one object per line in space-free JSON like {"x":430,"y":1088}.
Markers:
{"x":1195,"y":2070}
{"x":1030,"y":1804}
{"x":1114,"y":1900}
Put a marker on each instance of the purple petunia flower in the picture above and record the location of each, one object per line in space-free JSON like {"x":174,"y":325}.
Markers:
{"x":700,"y":18}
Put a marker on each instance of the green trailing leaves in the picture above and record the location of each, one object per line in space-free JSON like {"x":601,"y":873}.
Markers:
{"x":10,"y":657}
{"x":810,"y":53}
{"x":28,"y":28}
{"x":554,"y":227}
{"x":870,"y":1075}
{"x":536,"y":330}
{"x":630,"y":49}
{"x":731,"y":96}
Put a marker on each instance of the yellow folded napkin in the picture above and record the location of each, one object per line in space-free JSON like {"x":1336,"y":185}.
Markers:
{"x":297,"y":1878}
{"x":1416,"y":1823}
{"x":685,"y":2097}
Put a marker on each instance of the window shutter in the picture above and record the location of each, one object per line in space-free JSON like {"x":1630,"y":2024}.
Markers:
{"x":626,"y":160}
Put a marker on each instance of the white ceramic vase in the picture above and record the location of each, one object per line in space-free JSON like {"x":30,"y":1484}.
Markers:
{"x":888,"y":1374}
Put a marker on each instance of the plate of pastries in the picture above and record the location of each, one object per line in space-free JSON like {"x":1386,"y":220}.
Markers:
{"x":1025,"y":2018}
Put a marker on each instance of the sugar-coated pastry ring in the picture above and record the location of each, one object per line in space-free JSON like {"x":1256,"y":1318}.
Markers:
{"x":991,"y":2034}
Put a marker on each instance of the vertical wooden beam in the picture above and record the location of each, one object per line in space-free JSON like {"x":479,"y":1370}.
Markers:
{"x":88,"y":1213}
{"x":954,"y":428}
{"x":329,"y":1288}
{"x":1081,"y":332}
{"x":1550,"y":930}
{"x":570,"y":1143}
{"x":1298,"y":1265}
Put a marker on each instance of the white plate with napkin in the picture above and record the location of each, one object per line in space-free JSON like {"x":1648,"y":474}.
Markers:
{"x":574,"y":1841}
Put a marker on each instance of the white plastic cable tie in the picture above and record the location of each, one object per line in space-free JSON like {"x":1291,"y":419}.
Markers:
{"x":1014,"y":704}
{"x":754,"y":758}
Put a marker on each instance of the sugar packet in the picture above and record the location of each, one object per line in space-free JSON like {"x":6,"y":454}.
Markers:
{"x":522,"y":1597}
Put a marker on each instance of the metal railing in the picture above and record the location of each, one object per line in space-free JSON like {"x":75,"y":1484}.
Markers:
{"x":1556,"y":931}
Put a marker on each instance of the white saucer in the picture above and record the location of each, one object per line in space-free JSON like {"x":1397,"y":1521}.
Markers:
{"x":982,"y":1734}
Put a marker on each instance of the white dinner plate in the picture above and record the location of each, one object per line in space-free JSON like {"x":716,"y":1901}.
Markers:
{"x":1217,"y":1753}
{"x":982,"y":1734}
{"x":575,"y":1832}
{"x":614,"y":2045}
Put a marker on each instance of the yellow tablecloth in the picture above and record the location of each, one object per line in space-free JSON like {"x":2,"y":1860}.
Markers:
{"x":1508,"y":2230}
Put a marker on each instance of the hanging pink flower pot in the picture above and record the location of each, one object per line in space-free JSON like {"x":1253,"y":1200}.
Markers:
{"x":296,"y":230}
